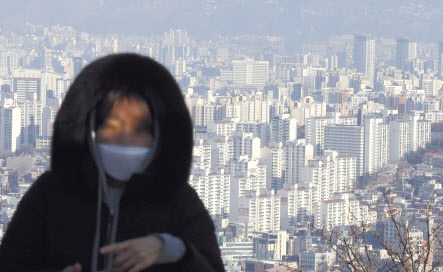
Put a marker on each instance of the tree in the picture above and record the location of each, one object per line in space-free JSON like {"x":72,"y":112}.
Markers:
{"x":400,"y":241}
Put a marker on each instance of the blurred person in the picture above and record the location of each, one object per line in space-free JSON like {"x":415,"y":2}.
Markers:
{"x":116,"y":197}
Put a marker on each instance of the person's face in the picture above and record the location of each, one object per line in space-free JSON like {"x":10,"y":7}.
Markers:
{"x":128,"y":123}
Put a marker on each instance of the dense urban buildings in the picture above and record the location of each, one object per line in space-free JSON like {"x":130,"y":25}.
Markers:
{"x":341,"y":134}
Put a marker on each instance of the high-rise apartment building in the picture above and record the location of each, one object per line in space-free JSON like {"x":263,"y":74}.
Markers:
{"x":8,"y":61}
{"x":202,"y":149}
{"x":423,"y":135}
{"x":315,"y":132}
{"x":364,"y":55}
{"x":298,"y":203}
{"x":202,"y":113}
{"x":406,"y":134}
{"x":258,"y":129}
{"x":48,"y":58}
{"x":222,"y":128}
{"x":321,"y":173}
{"x":297,"y":155}
{"x":346,"y":176}
{"x":405,"y":53}
{"x":244,"y":182}
{"x":221,"y":151}
{"x":376,"y":143}
{"x":343,"y":210}
{"x":399,"y":140}
{"x":260,"y":209}
{"x":283,"y":128}
{"x":213,"y":189}
{"x":347,"y":140}
{"x":252,"y":109}
{"x":250,"y":72}
{"x":273,"y":156}
{"x":246,"y":144}
{"x":31,"y":120}
{"x":23,"y":86}
{"x":429,"y":86}
{"x":9,"y":128}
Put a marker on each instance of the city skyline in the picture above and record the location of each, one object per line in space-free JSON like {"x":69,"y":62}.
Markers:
{"x":297,"y":21}
{"x":288,"y":145}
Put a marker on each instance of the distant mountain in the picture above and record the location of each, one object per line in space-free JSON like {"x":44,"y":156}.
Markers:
{"x":294,"y":19}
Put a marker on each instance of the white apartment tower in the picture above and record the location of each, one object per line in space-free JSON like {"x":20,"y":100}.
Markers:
{"x":246,"y":144}
{"x":376,"y":143}
{"x":330,"y":173}
{"x":253,"y":109}
{"x":414,"y":131}
{"x":283,"y":128}
{"x":297,"y":155}
{"x":8,"y":61}
{"x":202,"y":113}
{"x":260,"y":210}
{"x":221,"y":152}
{"x":298,"y":202}
{"x":221,"y":128}
{"x":315,"y":132}
{"x":202,"y":149}
{"x":429,"y":86}
{"x":320,"y":172}
{"x":213,"y":189}
{"x":179,"y":67}
{"x":250,"y":72}
{"x":399,"y":140}
{"x":346,"y":176}
{"x":343,"y":210}
{"x":406,"y":134}
{"x":423,"y":136}
{"x":273,"y":156}
{"x":31,"y":120}
{"x":242,"y":183}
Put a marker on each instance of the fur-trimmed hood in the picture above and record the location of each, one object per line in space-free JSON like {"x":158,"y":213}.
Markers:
{"x":170,"y":167}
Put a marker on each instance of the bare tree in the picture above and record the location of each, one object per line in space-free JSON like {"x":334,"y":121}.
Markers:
{"x":400,"y":241}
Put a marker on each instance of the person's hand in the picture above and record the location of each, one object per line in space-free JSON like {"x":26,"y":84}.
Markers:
{"x":77,"y":267}
{"x":136,"y":254}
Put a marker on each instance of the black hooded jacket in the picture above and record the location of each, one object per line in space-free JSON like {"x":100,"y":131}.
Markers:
{"x":55,"y":222}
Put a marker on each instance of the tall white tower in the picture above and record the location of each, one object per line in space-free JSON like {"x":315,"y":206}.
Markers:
{"x":376,"y":143}
{"x":364,"y":55}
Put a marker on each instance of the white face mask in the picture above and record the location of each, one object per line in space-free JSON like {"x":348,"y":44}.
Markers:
{"x":120,"y":162}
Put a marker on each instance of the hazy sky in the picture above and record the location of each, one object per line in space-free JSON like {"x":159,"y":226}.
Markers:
{"x":294,"y":19}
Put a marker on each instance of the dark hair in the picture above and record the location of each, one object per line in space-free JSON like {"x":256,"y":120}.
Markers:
{"x":104,"y":107}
